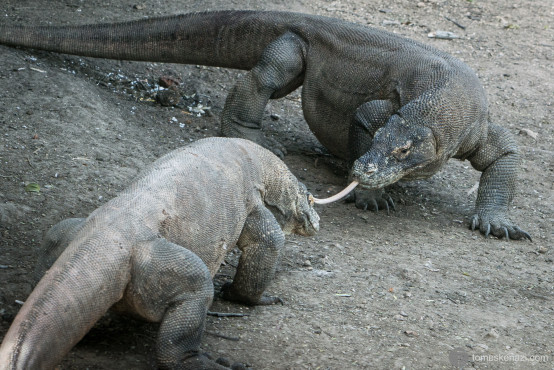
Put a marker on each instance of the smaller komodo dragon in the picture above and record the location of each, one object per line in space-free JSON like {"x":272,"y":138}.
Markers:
{"x":135,"y":253}
{"x":395,"y":108}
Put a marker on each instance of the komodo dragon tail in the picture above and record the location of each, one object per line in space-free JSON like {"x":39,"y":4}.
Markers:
{"x":60,"y":311}
{"x":230,"y":39}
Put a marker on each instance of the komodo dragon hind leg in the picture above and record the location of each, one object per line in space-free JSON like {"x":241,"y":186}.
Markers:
{"x":172,"y":284}
{"x":369,"y":117}
{"x":261,"y":241}
{"x":498,"y":159}
{"x":54,"y":243}
{"x":278,"y":72}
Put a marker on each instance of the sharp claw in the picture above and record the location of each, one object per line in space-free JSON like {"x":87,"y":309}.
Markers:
{"x":365,"y":207}
{"x":375,"y":205}
{"x":488,"y":230}
{"x":524,"y":233}
{"x":527,"y":235}
{"x":392,"y":204}
{"x":387,"y":207}
{"x":506,"y":232}
{"x":473,"y":223}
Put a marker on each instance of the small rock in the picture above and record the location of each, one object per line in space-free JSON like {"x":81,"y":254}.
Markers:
{"x":542,"y":249}
{"x":445,"y":35}
{"x":168,"y":81}
{"x":275,"y":117}
{"x":481,"y":346}
{"x":526,"y":131}
{"x":322,"y":273}
{"x":492,"y":334}
{"x":169,"y":97}
{"x":307,"y":263}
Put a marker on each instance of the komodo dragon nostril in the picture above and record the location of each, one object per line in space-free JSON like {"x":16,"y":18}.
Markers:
{"x":370,"y":169}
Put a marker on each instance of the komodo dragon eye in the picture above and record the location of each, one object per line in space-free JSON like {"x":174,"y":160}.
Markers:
{"x":403,"y":151}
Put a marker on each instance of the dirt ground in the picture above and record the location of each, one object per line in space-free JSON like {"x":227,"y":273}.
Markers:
{"x":403,"y":290}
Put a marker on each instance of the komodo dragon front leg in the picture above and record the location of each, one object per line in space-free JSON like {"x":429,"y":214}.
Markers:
{"x":369,"y":117}
{"x":498,"y":159}
{"x":260,"y":242}
{"x":279,"y":71}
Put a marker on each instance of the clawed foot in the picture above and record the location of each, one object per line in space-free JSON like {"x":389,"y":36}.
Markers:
{"x":229,"y":294}
{"x":373,"y":200}
{"x":497,"y":225}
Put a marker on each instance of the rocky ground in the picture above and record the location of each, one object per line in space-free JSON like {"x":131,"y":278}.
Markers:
{"x":402,"y":290}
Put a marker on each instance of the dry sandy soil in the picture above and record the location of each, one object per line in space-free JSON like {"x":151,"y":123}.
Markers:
{"x":370,"y":290}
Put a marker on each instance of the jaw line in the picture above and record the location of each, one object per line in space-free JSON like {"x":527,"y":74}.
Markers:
{"x":378,"y":183}
{"x":366,"y":187}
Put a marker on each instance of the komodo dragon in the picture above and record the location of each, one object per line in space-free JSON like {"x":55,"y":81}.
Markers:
{"x":130,"y":253}
{"x":394,"y":107}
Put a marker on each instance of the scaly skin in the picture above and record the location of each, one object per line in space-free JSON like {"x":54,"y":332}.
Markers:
{"x":356,"y":80}
{"x":135,"y":253}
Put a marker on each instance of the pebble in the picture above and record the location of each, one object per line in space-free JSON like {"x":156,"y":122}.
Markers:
{"x":445,"y":35}
{"x":492,"y":334}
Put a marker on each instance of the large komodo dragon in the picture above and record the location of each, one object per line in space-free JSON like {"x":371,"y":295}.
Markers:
{"x":396,"y":108}
{"x":130,"y":253}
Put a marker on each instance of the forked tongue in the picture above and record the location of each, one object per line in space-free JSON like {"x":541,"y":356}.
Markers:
{"x":337,"y":196}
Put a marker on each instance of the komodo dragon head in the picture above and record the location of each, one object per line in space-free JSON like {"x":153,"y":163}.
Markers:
{"x":399,"y":150}
{"x":292,"y":206}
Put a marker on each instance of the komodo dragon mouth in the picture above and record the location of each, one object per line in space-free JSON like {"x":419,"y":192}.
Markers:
{"x":337,"y":196}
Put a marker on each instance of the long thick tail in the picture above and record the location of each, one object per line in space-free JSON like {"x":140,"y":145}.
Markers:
{"x":231,"y":39}
{"x":62,"y":308}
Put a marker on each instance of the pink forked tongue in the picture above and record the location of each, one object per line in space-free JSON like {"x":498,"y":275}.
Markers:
{"x":337,"y":196}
